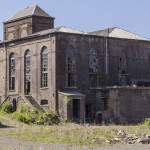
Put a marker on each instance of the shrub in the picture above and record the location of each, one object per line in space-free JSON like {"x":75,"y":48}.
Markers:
{"x":147,"y":122}
{"x":51,"y":118}
{"x":7,"y":107}
{"x":40,"y":120}
{"x":35,"y":116}
{"x":23,"y":109}
{"x":23,"y":117}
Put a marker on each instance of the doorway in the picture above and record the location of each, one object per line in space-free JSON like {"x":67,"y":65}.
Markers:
{"x":27,"y":88}
{"x":14,"y":102}
{"x":76,"y":110}
{"x":88,"y":113}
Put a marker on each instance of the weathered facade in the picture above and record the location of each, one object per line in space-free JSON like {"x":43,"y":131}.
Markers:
{"x":69,"y":71}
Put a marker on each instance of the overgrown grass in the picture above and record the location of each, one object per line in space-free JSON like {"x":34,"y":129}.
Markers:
{"x":65,"y":133}
{"x":147,"y":122}
{"x":6,"y":107}
{"x":71,"y":133}
{"x":34,"y":116}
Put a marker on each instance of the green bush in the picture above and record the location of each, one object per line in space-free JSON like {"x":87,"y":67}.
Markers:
{"x":23,"y":109}
{"x":51,"y":118}
{"x":147,"y":122}
{"x":36,"y":116}
{"x":7,"y":107}
{"x":23,"y":117}
{"x":40,"y":120}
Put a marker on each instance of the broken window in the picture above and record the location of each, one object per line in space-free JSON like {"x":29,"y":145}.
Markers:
{"x":27,"y":71}
{"x":44,"y":67}
{"x":93,"y":69}
{"x":12,"y":71}
{"x":71,"y":72}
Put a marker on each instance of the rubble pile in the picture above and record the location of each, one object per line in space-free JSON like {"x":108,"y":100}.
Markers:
{"x":124,"y":138}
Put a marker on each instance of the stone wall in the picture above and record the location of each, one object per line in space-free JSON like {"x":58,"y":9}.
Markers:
{"x":19,"y":48}
{"x":129,"y":104}
{"x":2,"y":74}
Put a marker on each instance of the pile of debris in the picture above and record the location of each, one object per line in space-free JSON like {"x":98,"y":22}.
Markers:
{"x":125,"y":138}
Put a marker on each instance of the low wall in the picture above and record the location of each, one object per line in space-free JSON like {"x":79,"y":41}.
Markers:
{"x":129,"y":104}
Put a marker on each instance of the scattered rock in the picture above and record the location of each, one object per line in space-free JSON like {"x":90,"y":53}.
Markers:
{"x":144,"y":140}
{"x":125,"y":138}
{"x":121,"y":134}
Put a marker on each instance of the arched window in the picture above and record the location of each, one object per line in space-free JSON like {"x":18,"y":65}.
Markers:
{"x":12,"y":72}
{"x":93,"y":69}
{"x":27,"y":71}
{"x":71,"y":71}
{"x":44,"y":67}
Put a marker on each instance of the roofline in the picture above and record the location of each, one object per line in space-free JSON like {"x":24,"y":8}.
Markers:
{"x":112,"y":28}
{"x":18,"y":19}
{"x":60,"y":32}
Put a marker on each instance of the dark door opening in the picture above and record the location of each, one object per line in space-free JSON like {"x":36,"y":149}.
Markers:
{"x":28,"y":88}
{"x":99,"y":118}
{"x":14,"y":104}
{"x":88,"y":112}
{"x":76,"y":110}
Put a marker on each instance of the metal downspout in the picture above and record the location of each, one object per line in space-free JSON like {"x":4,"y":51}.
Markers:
{"x":5,"y":49}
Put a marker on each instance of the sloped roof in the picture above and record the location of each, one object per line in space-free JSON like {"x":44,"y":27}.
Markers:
{"x":118,"y":33}
{"x":33,"y":10}
{"x":60,"y":29}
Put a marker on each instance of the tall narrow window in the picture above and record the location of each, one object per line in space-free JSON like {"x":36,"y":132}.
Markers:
{"x":123,"y":64}
{"x":27,"y":72}
{"x":71,"y":72}
{"x":93,"y":69}
{"x":123,"y":75}
{"x":44,"y":67}
{"x":12,"y":72}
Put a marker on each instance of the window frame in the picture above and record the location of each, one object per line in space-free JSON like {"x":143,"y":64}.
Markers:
{"x":27,"y":67}
{"x":71,"y":79}
{"x":12,"y":72}
{"x":44,"y":67}
{"x":93,"y":69}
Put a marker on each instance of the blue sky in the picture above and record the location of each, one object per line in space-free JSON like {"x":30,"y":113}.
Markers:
{"x":88,"y":15}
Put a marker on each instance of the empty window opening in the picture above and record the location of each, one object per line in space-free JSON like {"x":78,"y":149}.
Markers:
{"x":93,"y":69}
{"x":44,"y":102}
{"x":27,"y":72}
{"x":12,"y":72}
{"x":71,"y":72}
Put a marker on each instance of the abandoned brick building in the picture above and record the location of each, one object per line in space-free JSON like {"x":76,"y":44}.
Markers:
{"x":80,"y":75}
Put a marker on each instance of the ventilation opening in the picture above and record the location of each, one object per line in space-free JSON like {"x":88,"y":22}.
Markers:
{"x":44,"y":102}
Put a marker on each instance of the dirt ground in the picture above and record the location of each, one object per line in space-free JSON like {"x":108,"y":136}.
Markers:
{"x":7,"y":143}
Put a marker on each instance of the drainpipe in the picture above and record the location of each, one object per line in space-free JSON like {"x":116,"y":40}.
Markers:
{"x":5,"y":49}
{"x":106,"y":53}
